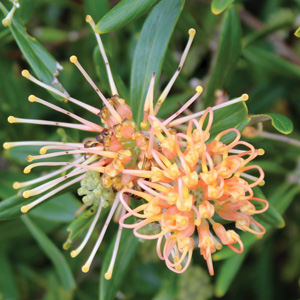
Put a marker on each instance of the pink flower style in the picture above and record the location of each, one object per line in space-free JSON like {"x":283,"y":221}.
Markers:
{"x":182,"y":179}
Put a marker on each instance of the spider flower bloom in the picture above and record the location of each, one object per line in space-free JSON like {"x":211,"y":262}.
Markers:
{"x":191,"y":180}
{"x":183,"y":179}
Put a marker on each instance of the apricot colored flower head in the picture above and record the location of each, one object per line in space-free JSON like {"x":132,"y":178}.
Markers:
{"x":184,"y":181}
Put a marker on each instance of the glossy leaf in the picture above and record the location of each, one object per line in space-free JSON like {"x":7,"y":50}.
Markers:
{"x":280,"y":122}
{"x":62,"y":268}
{"x":61,"y":208}
{"x":128,"y":246}
{"x":124,"y":12}
{"x":228,"y":53}
{"x":218,"y":6}
{"x":11,"y":207}
{"x":150,"y":51}
{"x":40,"y":60}
{"x":229,"y":117}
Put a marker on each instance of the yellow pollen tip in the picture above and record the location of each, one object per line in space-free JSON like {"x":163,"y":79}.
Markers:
{"x":262,"y":183}
{"x":25,"y":209}
{"x":29,"y":158}
{"x":219,"y":247}
{"x":16,"y":185}
{"x":11,"y":119}
{"x":85,"y":269}
{"x":143,"y":125}
{"x":199,"y":89}
{"x":192,"y":31}
{"x":245,"y":97}
{"x":32,"y":98}
{"x":73,"y":253}
{"x":6,"y":22}
{"x":26,"y":194}
{"x":178,"y":268}
{"x":88,"y":18}
{"x":27,"y":170}
{"x":73,"y":59}
{"x":261,"y":151}
{"x":43,"y":150}
{"x":25,"y":73}
{"x":6,"y":146}
{"x":107,"y":275}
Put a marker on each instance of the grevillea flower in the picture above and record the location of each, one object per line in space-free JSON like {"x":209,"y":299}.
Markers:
{"x":182,"y":179}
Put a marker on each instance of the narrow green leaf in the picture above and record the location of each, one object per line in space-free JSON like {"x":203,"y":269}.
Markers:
{"x":218,"y":6}
{"x":227,"y":273}
{"x":58,"y":260}
{"x":11,"y":207}
{"x":269,"y":62}
{"x":228,"y":53}
{"x":150,"y":51}
{"x":128,"y":246}
{"x":124,"y":12}
{"x":40,"y":60}
{"x":8,"y":286}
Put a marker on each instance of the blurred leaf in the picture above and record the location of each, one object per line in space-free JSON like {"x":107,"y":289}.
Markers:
{"x":280,"y":122}
{"x":150,"y":51}
{"x":40,"y":60}
{"x":49,"y":248}
{"x":267,"y":61}
{"x":218,"y":6}
{"x":168,"y":291}
{"x":124,"y":12}
{"x":97,"y":9}
{"x":8,"y":286}
{"x":11,"y":207}
{"x":127,"y":249}
{"x":61,"y":208}
{"x":227,"y":273}
{"x":228,"y":53}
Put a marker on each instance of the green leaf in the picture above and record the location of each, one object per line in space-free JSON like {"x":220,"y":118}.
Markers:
{"x":40,"y":60}
{"x":227,"y":273}
{"x":233,"y":116}
{"x":269,"y":62}
{"x":127,"y":248}
{"x":124,"y":12}
{"x":228,"y":53}
{"x":150,"y":51}
{"x":8,"y":286}
{"x":11,"y":207}
{"x":80,"y":224}
{"x":61,"y":208}
{"x":218,"y":6}
{"x":62,"y":268}
{"x":280,"y":122}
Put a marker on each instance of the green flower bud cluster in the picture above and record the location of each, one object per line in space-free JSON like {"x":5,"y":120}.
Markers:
{"x":93,"y":192}
{"x":149,"y":229}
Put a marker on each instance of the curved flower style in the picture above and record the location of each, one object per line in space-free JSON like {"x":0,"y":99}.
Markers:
{"x":183,"y":180}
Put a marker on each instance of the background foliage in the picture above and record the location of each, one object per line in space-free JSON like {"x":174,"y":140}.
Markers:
{"x":240,"y":46}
